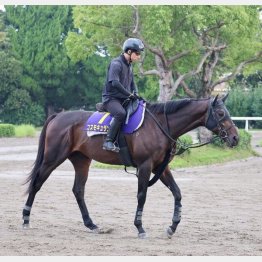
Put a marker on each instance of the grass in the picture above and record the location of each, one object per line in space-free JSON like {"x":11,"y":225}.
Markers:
{"x":210,"y":155}
{"x":25,"y":131}
{"x":205,"y":155}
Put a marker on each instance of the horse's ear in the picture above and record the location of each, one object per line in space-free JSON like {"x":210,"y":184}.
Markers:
{"x":215,"y":101}
{"x":225,"y":97}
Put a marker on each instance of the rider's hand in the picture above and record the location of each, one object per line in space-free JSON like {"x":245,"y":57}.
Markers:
{"x":132,"y":96}
{"x":136,"y":96}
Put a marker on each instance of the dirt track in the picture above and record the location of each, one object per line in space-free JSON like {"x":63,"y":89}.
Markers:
{"x":222,"y":211}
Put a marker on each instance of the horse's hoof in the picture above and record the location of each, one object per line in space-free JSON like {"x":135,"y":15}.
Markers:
{"x":169,"y":232}
{"x":26,"y":226}
{"x":142,"y":235}
{"x":102,"y":230}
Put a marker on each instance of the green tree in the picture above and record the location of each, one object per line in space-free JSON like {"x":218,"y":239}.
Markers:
{"x":10,"y":73}
{"x":53,"y":81}
{"x":21,"y":110}
{"x":37,"y":36}
{"x":210,"y":43}
{"x":3,"y":34}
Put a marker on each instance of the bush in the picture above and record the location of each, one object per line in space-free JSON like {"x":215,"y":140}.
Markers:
{"x":218,"y":142}
{"x":19,"y":109}
{"x":25,"y":130}
{"x":185,"y":141}
{"x":246,"y":102}
{"x":7,"y":130}
{"x":244,"y":140}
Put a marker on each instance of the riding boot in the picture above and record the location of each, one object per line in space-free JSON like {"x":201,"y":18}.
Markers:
{"x":111,"y":135}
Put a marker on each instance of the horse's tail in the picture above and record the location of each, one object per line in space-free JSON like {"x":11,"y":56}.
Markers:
{"x":40,"y":156}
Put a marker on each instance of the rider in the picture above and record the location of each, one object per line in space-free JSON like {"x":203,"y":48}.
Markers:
{"x":119,"y":86}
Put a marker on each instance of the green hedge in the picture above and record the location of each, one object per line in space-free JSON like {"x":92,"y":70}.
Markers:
{"x":244,"y":140}
{"x":185,"y":141}
{"x":10,"y":130}
{"x":7,"y":130}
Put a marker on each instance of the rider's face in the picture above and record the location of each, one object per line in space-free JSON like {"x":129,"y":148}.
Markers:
{"x":135,"y":56}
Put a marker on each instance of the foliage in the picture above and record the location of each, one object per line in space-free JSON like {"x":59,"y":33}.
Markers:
{"x":256,"y":106}
{"x":168,"y":31}
{"x":37,"y":34}
{"x":34,"y":44}
{"x":247,"y":102}
{"x":7,"y":130}
{"x":10,"y":73}
{"x":244,"y":141}
{"x":201,"y":156}
{"x":25,"y":131}
{"x":184,"y":142}
{"x":208,"y":155}
{"x":19,"y":109}
{"x":10,"y":130}
{"x":50,"y":78}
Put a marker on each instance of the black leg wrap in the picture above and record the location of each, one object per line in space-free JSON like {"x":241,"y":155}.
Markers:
{"x":138,"y":221}
{"x":26,"y":214}
{"x":176,"y":217}
{"x":138,"y":218}
{"x":177,"y":214}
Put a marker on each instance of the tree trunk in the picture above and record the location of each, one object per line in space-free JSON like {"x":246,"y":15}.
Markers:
{"x":166,"y":81}
{"x":204,"y":135}
{"x":50,"y":110}
{"x":165,"y":86}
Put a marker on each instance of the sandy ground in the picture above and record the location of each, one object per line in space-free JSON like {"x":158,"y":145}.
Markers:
{"x":222,"y":211}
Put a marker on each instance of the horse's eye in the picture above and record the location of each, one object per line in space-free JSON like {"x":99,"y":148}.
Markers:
{"x":221,"y":114}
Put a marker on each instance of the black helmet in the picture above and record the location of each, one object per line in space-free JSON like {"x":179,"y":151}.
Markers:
{"x":133,"y":44}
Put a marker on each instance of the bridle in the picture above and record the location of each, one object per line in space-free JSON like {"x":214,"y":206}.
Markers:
{"x":215,"y":121}
{"x":212,"y":121}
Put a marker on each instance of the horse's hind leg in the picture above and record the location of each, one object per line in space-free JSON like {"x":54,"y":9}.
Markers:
{"x":81,"y":165}
{"x":168,"y":180}
{"x":43,"y":173}
{"x":52,"y":158}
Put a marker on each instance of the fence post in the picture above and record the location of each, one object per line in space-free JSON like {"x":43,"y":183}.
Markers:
{"x":246,"y":126}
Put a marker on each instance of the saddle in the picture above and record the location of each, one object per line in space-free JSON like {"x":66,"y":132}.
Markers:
{"x":98,"y":123}
{"x":130,"y":106}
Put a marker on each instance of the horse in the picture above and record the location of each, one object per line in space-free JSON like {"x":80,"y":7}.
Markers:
{"x":62,"y":137}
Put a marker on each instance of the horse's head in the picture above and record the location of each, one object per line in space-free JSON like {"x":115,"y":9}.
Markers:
{"x":219,"y":122}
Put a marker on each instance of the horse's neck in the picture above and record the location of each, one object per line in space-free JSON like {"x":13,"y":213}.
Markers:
{"x":189,"y":117}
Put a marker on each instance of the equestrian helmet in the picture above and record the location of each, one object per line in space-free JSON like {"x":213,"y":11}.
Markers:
{"x":133,"y":44}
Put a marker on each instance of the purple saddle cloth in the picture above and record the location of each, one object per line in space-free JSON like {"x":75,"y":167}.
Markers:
{"x":98,"y":123}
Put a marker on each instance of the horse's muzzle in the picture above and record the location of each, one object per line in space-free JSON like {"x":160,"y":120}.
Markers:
{"x":232,"y":140}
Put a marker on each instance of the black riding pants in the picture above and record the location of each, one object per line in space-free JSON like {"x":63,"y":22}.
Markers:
{"x":115,"y":108}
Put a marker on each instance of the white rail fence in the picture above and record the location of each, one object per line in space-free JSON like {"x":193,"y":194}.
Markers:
{"x":244,"y":118}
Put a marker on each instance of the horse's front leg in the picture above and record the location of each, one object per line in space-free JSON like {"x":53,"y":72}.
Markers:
{"x":144,"y":172}
{"x":168,"y":180}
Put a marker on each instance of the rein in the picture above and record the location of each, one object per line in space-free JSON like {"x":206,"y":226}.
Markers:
{"x":170,"y":152}
{"x":182,"y":147}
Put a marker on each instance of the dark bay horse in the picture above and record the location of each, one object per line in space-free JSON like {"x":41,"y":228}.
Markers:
{"x":63,"y":137}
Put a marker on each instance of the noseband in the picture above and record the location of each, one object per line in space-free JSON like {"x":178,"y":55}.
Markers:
{"x":214,"y":121}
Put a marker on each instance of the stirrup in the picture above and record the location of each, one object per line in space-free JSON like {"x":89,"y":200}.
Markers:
{"x":113,"y":149}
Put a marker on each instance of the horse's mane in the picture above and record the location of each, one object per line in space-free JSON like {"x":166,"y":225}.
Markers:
{"x":168,"y":107}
